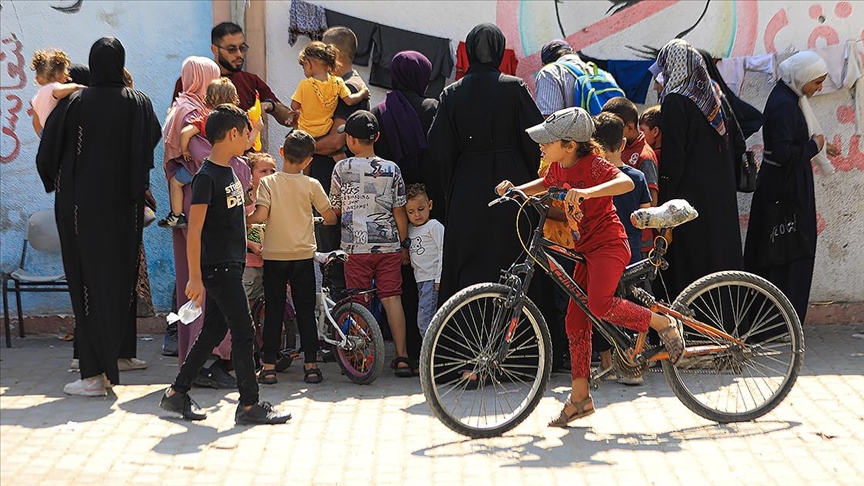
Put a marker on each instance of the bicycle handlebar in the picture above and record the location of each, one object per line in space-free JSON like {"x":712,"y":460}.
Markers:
{"x":553,"y":193}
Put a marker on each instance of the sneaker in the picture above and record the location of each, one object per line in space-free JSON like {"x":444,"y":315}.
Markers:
{"x":169,"y":346}
{"x":130,"y":364}
{"x":173,"y":221}
{"x":74,"y":367}
{"x":204,"y":379}
{"x":88,"y":387}
{"x":260,"y":413}
{"x":182,"y":404}
{"x":631,"y":380}
{"x":223,"y":379}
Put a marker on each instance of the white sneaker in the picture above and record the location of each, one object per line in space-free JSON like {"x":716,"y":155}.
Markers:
{"x":632,"y":381}
{"x":73,"y":366}
{"x":88,"y":387}
{"x":129,"y":364}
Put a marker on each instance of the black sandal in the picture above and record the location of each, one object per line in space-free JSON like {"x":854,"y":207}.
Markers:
{"x":407,"y":371}
{"x":312,"y":375}
{"x":267,"y":377}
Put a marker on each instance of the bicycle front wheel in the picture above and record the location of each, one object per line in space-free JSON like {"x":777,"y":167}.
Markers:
{"x":743,"y":382}
{"x":362,"y":359}
{"x":466,"y":385}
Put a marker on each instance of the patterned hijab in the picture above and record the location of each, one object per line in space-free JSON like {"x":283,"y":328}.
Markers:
{"x":685,"y":73}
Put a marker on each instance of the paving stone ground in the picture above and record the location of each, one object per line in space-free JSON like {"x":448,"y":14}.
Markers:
{"x":345,"y":434}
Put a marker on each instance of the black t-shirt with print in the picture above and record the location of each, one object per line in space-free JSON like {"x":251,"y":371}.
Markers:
{"x":223,"y":239}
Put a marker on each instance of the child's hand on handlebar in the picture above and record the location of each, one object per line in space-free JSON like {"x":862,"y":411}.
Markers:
{"x":576,"y":196}
{"x":501,"y":188}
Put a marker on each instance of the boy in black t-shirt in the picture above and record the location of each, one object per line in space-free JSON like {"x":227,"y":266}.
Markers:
{"x":216,"y":250}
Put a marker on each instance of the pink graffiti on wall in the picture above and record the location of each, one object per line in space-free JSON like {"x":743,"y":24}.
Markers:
{"x":14,"y":78}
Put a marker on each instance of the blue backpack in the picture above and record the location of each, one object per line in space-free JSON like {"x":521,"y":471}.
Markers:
{"x":593,"y":88}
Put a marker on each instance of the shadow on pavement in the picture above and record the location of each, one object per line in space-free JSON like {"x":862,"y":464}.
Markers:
{"x":580,"y":444}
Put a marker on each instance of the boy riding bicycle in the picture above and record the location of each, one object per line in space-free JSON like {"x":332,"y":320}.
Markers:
{"x":597,"y":233}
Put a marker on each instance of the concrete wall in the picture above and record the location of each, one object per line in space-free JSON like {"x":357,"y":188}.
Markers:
{"x":158,"y":35}
{"x":728,"y":29}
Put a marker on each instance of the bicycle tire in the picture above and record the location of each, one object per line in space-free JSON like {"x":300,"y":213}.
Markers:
{"x":780,"y":339}
{"x":503,"y":381}
{"x":373,"y":341}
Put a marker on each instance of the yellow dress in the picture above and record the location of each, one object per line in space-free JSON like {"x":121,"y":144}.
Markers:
{"x":318,"y":100}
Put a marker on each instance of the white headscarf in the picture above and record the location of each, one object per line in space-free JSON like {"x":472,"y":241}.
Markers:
{"x":795,"y":72}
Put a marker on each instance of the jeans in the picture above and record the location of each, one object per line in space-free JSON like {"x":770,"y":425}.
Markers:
{"x":427,"y":306}
{"x":226,"y":308}
{"x":301,"y":274}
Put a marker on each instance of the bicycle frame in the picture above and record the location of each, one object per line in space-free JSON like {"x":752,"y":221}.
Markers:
{"x":541,"y":251}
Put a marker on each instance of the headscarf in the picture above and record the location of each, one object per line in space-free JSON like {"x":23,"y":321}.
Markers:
{"x":107,"y":58}
{"x":485,"y":45}
{"x":410,"y":72}
{"x":795,"y":72}
{"x":748,"y":117}
{"x":196,"y":74}
{"x":79,"y":74}
{"x":684,"y":73}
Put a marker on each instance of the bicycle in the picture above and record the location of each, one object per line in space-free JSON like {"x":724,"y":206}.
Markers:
{"x":485,"y":360}
{"x":347,"y":326}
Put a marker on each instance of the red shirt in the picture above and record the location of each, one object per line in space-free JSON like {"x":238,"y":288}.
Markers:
{"x":246,"y":83}
{"x":598,"y":221}
{"x":640,"y":155}
{"x":508,"y":63}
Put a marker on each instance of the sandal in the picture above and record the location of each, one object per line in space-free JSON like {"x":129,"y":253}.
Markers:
{"x":267,"y":377}
{"x":312,"y":375}
{"x":402,"y":372}
{"x":673,"y":341}
{"x":565,"y":418}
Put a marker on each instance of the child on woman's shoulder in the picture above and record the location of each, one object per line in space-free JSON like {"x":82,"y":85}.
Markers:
{"x":219,"y":91}
{"x":316,"y":96}
{"x":427,"y":247}
{"x":52,"y":72}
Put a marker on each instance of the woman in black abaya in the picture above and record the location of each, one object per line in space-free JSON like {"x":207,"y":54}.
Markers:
{"x":477,"y":140}
{"x":102,"y":147}
{"x":696,"y":165}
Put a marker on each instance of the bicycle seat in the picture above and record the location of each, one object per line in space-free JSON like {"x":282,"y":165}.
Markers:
{"x":326,"y":258}
{"x":669,"y":215}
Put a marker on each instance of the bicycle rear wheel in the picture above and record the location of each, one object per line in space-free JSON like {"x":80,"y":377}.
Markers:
{"x":745,"y":382}
{"x":466,"y":386}
{"x":363,"y":361}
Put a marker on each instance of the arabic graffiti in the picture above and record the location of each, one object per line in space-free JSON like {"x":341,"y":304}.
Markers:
{"x":13,"y":78}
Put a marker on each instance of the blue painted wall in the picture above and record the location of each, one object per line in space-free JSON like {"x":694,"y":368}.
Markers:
{"x":157,"y":36}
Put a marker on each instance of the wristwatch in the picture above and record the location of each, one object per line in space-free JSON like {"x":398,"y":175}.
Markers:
{"x":272,"y":105}
{"x":406,"y":243}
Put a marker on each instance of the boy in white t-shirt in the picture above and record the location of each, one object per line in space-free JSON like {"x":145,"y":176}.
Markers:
{"x":427,"y":247}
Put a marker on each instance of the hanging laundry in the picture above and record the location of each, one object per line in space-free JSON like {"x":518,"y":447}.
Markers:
{"x":305,"y":19}
{"x":508,"y":64}
{"x":845,"y":73}
{"x":734,"y":69}
{"x":389,"y":41}
{"x":633,"y":77}
{"x":363,"y":29}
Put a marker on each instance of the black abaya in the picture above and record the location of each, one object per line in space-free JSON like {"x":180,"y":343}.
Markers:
{"x":696,"y":165}
{"x":103,"y":146}
{"x":477,"y":140}
{"x":788,"y":150}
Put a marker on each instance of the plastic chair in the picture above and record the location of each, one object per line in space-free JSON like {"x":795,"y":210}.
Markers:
{"x":41,"y":234}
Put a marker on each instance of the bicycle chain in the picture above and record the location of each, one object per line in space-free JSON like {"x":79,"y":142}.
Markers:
{"x":624,"y":369}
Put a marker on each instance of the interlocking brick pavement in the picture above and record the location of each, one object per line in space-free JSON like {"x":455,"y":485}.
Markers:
{"x":344,"y":434}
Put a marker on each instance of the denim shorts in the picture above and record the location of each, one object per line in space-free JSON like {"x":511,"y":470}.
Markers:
{"x":183,"y":176}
